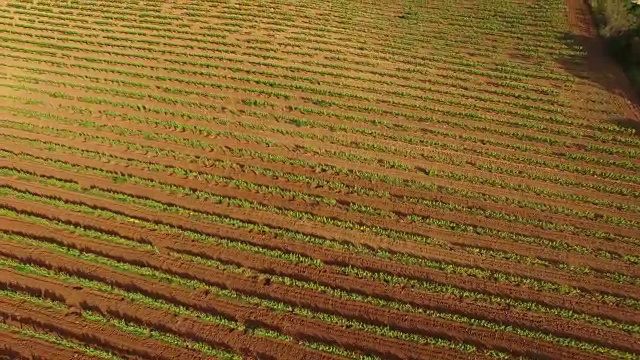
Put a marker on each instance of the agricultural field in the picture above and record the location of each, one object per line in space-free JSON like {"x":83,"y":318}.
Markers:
{"x":312,"y":179}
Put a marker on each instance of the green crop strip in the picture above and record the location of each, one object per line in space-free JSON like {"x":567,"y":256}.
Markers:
{"x":59,"y":341}
{"x":192,"y":284}
{"x":244,"y":203}
{"x":523,"y":305}
{"x":154,"y":167}
{"x":463,"y":136}
{"x":454,"y":109}
{"x":198,"y":130}
{"x":260,"y":14}
{"x":315,"y":81}
{"x":145,"y":332}
{"x":133,"y":329}
{"x":403,"y":258}
{"x":75,"y":229}
{"x":395,"y":305}
{"x":431,"y":119}
{"x":156,"y":150}
{"x":133,"y":146}
{"x":429,"y":143}
{"x":432,"y":287}
{"x":119,"y":92}
{"x":480,"y":127}
{"x":203,"y":195}
{"x":197,"y":143}
{"x":298,"y":68}
{"x":158,"y":304}
{"x":392,"y":53}
{"x":533,"y":261}
{"x":48,"y":45}
{"x":37,"y":301}
{"x":378,"y":177}
{"x":288,"y":256}
{"x":342,"y":63}
{"x":517,"y":158}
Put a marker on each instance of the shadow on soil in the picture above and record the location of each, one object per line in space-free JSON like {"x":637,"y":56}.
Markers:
{"x":597,"y":66}
{"x":628,"y":124}
{"x":6,"y":353}
{"x":600,"y":68}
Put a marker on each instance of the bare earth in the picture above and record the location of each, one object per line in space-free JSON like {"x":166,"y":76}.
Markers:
{"x":315,"y":180}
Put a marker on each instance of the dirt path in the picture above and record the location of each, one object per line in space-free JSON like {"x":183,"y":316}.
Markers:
{"x":600,"y":66}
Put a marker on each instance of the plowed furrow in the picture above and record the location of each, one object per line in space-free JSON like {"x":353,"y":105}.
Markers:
{"x":221,"y":141}
{"x":316,"y":229}
{"x":319,"y":276}
{"x":612,"y":248}
{"x":361,"y":312}
{"x":122,"y":156}
{"x":187,"y":327}
{"x":72,"y":326}
{"x":289,"y":324}
{"x":16,"y":347}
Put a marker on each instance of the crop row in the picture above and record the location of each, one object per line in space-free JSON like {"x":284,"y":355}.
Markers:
{"x":465,"y":126}
{"x":331,"y":244}
{"x":153,"y":274}
{"x":357,"y":32}
{"x":361,"y":174}
{"x":386,"y":303}
{"x":413,"y":86}
{"x":209,"y":163}
{"x":296,"y":162}
{"x":116,"y":323}
{"x":410,"y":116}
{"x":262,"y":13}
{"x":424,"y":186}
{"x":59,"y":341}
{"x":278,"y":191}
{"x":432,"y":204}
{"x":405,"y":139}
{"x":420,"y":118}
{"x":403,"y":258}
{"x":321,"y":289}
{"x":430,"y":79}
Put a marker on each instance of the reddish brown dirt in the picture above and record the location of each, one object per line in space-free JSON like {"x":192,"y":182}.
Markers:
{"x":15,"y":347}
{"x":358,"y":311}
{"x":466,"y":152}
{"x":576,"y":143}
{"x":72,"y":326}
{"x":321,"y":277}
{"x":396,"y":191}
{"x":290,"y":141}
{"x":402,"y":65}
{"x":280,"y":221}
{"x":155,"y":196}
{"x":79,"y":299}
{"x":243,"y":313}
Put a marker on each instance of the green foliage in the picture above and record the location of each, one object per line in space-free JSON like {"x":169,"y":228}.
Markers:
{"x":193,"y":284}
{"x":59,"y":341}
{"x":619,"y":22}
{"x":445,"y":125}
